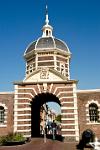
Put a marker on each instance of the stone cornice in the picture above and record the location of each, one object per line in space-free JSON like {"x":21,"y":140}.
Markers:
{"x":41,"y":82}
{"x":47,"y":50}
{"x":10,"y":92}
{"x":88,"y":90}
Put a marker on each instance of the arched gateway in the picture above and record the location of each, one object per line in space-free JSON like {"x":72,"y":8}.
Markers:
{"x":36,"y":104}
{"x":47,"y":79}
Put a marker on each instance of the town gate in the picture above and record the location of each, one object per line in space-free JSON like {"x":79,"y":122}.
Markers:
{"x":63,"y":93}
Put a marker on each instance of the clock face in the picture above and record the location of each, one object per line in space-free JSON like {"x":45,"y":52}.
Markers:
{"x":44,"y":73}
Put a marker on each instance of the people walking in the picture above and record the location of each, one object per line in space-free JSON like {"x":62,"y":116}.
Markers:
{"x":53,"y":125}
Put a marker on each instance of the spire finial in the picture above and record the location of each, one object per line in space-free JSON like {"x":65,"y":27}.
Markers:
{"x":46,"y":9}
{"x":47,"y":20}
{"x":47,"y":29}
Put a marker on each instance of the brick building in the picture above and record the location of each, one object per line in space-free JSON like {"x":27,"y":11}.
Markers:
{"x":47,"y":79}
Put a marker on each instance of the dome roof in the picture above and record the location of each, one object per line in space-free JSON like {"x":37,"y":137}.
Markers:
{"x":47,"y":43}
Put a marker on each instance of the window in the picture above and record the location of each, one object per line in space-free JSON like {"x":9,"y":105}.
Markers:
{"x":31,"y":67}
{"x":49,"y":33}
{"x":46,"y":32}
{"x":93,"y":112}
{"x":62,"y":68}
{"x":2,"y":114}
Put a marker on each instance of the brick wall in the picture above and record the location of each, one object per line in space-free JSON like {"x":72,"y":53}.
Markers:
{"x":7,"y":100}
{"x":84,"y":98}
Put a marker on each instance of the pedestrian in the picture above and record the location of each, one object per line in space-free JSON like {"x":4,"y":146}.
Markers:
{"x":53,"y":125}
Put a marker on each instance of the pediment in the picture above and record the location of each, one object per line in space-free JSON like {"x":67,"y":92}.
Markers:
{"x":45,"y":75}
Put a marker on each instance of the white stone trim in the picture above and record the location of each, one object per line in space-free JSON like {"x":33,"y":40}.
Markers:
{"x":76,"y":112}
{"x":67,"y":118}
{"x":19,"y":98}
{"x":39,"y":55}
{"x":23,"y":125}
{"x":38,"y":85}
{"x":67,"y":102}
{"x":27,"y":89}
{"x":87,"y":111}
{"x":18,"y":115}
{"x":25,"y":93}
{"x":28,"y":130}
{"x":60,"y":61}
{"x":93,"y":123}
{"x":55,"y":61}
{"x":68,"y":130}
{"x":45,"y":87}
{"x":63,"y":92}
{"x":11,"y":92}
{"x":68,"y":124}
{"x":63,"y":87}
{"x":65,"y":108}
{"x":89,"y":90}
{"x":36,"y":61}
{"x":60,"y":67}
{"x":47,"y":53}
{"x":69,"y":135}
{"x":50,"y":88}
{"x":15,"y":108}
{"x":66,"y":97}
{"x":5,"y":121}
{"x":40,"y":61}
{"x":3,"y":125}
{"x":22,"y":109}
{"x":68,"y":69}
{"x":5,"y":116}
{"x":3,"y":105}
{"x":47,"y":66}
{"x":92,"y":101}
{"x":22,"y":120}
{"x":22,"y":103}
{"x":68,"y":113}
{"x":53,"y":55}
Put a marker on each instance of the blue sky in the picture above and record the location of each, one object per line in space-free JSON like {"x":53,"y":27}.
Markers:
{"x":77,"y":22}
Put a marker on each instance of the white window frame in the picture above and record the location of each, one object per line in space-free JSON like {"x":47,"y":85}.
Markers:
{"x":87,"y":112}
{"x":4,"y":124}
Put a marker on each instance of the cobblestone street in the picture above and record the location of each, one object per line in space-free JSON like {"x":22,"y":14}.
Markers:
{"x":38,"y":144}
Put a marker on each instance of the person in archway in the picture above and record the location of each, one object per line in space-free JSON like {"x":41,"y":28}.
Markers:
{"x":53,"y":125}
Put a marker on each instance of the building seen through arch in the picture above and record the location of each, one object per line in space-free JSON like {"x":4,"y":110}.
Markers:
{"x":47,"y":79}
{"x":36,"y":104}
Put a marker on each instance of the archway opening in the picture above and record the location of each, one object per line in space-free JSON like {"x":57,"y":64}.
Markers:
{"x":39,"y":112}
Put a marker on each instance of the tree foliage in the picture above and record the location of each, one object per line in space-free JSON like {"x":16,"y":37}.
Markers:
{"x":58,"y":118}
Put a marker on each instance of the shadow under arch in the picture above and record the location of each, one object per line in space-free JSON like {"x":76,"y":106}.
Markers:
{"x":36,"y":104}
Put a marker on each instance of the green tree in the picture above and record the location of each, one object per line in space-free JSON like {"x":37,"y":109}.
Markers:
{"x":58,"y":118}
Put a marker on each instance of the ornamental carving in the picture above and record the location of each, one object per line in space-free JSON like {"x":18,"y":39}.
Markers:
{"x":44,"y":74}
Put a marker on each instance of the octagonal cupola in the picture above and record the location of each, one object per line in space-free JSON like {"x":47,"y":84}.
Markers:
{"x":47,"y":53}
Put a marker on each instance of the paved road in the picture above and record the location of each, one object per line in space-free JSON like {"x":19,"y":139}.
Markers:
{"x":38,"y":144}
